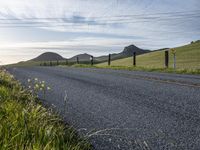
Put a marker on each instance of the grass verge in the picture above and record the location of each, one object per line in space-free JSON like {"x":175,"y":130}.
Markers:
{"x":26,"y":125}
{"x":132,"y":68}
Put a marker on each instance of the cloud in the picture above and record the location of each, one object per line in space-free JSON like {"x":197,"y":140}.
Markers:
{"x":73,"y":26}
{"x":97,"y":17}
{"x":81,"y":20}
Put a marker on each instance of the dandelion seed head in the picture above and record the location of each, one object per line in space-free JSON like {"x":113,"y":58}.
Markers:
{"x":42,"y":85}
{"x":54,"y":106}
{"x":36,"y":86}
{"x":48,"y":132}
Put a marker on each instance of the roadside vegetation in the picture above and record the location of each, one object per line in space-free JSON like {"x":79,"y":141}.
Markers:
{"x":26,"y":125}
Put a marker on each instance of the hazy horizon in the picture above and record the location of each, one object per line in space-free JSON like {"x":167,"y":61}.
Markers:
{"x":96,"y":27}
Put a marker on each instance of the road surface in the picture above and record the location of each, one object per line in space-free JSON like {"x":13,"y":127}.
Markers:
{"x":125,"y":110}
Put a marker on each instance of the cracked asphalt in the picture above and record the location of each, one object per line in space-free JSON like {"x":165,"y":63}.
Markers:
{"x":125,"y":110}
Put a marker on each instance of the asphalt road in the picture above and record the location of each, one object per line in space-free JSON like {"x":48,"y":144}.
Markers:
{"x":124,"y":109}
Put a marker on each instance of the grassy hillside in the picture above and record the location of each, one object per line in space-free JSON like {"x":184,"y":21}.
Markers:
{"x":188,"y":57}
{"x":26,"y":124}
{"x":25,"y":63}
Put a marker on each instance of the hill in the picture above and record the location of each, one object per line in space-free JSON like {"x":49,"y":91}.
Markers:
{"x":48,"y":56}
{"x":127,"y":52}
{"x":188,"y":57}
{"x":82,"y":57}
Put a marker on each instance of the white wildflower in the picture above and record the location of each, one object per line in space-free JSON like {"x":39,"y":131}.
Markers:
{"x":65,"y":97}
{"x":42,"y":85}
{"x":36,"y":86}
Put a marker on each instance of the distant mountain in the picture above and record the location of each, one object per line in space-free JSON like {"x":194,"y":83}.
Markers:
{"x":82,"y":57}
{"x":127,"y":52}
{"x":48,"y":56}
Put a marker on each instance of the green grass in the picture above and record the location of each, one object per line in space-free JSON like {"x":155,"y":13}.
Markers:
{"x":188,"y":57}
{"x":43,"y":63}
{"x":27,"y":125}
{"x":24,"y":64}
{"x":131,"y":68}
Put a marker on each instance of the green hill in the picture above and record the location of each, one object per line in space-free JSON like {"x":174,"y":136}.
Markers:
{"x":187,"y":57}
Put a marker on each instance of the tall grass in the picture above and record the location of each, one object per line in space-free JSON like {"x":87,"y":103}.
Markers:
{"x":27,"y":125}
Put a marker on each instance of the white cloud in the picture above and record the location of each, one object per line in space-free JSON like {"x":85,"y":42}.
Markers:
{"x":87,"y":24}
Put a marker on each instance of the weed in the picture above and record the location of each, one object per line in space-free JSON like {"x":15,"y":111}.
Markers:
{"x":27,"y":125}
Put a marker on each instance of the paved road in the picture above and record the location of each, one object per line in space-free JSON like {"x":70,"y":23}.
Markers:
{"x":123,"y":109}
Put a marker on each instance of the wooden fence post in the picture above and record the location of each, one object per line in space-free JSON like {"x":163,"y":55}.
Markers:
{"x":174,"y":61}
{"x":109,"y":59}
{"x":174,"y":57}
{"x":92,"y":60}
{"x":77,"y":60}
{"x":166,"y":59}
{"x":134,"y":58}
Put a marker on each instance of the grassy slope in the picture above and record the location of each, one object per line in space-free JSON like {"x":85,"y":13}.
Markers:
{"x":188,"y":57}
{"x":25,"y":124}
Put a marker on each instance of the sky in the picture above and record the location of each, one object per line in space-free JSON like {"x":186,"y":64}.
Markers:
{"x":98,"y":27}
